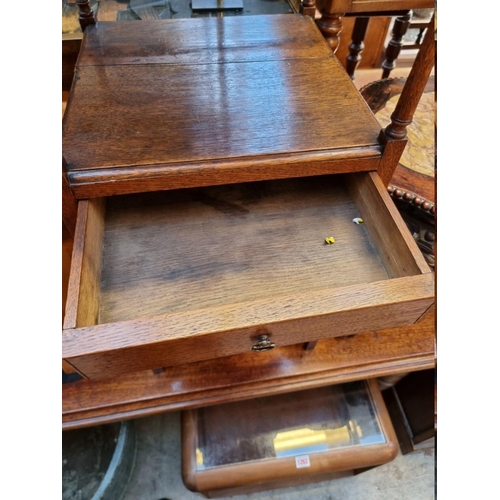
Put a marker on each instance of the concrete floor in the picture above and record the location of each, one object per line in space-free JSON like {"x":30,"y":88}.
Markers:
{"x":157,"y":473}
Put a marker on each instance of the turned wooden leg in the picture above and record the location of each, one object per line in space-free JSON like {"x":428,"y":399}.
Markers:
{"x":357,"y":45}
{"x":87,"y":16}
{"x":330,"y":26}
{"x":394,"y":47}
{"x":308,"y":8}
{"x":393,"y":138}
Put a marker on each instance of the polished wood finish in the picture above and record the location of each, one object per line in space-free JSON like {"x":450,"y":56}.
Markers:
{"x":150,"y":178}
{"x":243,"y":39}
{"x":331,"y":26}
{"x":189,"y":293}
{"x":371,"y":56}
{"x":373,"y":6}
{"x":203,"y":148}
{"x":245,"y":376}
{"x":280,"y":105}
{"x":211,"y":481}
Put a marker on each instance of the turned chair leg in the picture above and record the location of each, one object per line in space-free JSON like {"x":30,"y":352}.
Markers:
{"x":393,"y":138}
{"x":394,"y":47}
{"x":357,"y":45}
{"x":330,"y":26}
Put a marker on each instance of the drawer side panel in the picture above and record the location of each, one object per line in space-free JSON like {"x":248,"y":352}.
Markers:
{"x":82,"y":305}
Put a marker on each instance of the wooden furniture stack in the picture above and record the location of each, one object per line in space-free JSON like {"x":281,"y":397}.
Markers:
{"x":209,"y":159}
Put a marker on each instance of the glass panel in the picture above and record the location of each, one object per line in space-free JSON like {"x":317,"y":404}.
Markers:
{"x":287,"y":425}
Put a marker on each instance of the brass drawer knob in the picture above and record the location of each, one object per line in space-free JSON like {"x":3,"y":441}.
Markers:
{"x":263,"y":344}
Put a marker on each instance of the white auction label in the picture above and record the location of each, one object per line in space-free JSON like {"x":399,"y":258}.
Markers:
{"x":302,"y":461}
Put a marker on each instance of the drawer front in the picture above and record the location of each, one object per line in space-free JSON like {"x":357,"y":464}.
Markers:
{"x":335,"y":428}
{"x":219,"y":295}
{"x":160,"y":342}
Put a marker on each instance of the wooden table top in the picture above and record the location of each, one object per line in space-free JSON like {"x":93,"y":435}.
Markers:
{"x":160,"y":98}
{"x":368,"y":6}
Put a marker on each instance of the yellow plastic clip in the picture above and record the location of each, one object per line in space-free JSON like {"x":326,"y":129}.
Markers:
{"x":329,"y":241}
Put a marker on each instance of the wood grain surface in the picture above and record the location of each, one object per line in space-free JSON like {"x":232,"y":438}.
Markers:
{"x":245,"y":376}
{"x":367,"y":6}
{"x":399,"y":252}
{"x":82,"y":307}
{"x":219,"y":40}
{"x":253,"y":90}
{"x":195,"y":249}
{"x":150,"y":178}
{"x":194,"y":274}
{"x":246,"y":109}
{"x":118,"y":348}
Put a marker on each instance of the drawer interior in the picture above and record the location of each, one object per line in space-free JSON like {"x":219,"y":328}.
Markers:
{"x":158,"y":253}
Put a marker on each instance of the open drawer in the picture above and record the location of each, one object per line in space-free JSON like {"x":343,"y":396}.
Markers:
{"x":173,"y":277}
